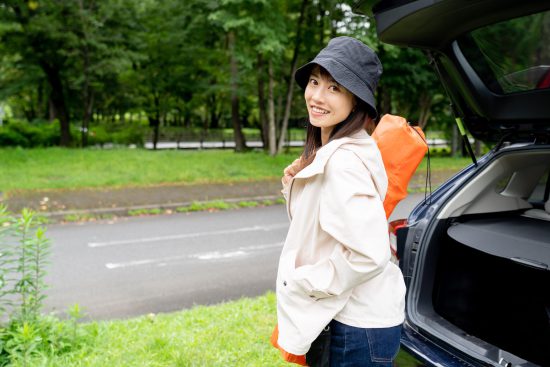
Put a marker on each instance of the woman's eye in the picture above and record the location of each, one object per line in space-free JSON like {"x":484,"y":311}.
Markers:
{"x":334,"y":88}
{"x":313,"y":81}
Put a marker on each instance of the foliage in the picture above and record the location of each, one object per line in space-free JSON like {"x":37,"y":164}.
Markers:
{"x":22,"y":134}
{"x":25,"y":249}
{"x":39,"y":133}
{"x":89,"y":64}
{"x":26,"y":333}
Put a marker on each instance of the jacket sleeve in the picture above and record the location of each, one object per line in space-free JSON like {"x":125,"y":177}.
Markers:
{"x":352,"y":214}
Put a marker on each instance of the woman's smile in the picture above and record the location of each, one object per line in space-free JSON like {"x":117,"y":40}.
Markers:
{"x":318,"y":111}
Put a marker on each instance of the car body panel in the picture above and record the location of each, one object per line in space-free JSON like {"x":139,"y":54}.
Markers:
{"x":434,"y":24}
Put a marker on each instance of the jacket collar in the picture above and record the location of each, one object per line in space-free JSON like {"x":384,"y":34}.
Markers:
{"x":325,"y":152}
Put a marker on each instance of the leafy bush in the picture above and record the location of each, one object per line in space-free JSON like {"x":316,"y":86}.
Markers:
{"x":12,"y":138}
{"x":98,"y":135}
{"x":128,"y":136}
{"x":123,"y":135}
{"x":24,"y":134}
{"x":47,"y":134}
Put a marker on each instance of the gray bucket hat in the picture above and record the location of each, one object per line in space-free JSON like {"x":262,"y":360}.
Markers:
{"x":352,"y":64}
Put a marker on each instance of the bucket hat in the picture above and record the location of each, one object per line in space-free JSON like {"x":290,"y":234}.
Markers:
{"x":352,"y":64}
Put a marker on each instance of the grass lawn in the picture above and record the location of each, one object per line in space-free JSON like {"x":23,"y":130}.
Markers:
{"x":58,"y":168}
{"x":231,"y":334}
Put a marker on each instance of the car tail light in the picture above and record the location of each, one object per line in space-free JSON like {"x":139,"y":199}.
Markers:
{"x":393,"y":227}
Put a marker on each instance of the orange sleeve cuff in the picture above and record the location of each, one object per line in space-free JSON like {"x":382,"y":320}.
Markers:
{"x":289,"y":357}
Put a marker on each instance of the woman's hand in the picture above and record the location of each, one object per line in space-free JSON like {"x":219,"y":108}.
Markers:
{"x":291,"y":170}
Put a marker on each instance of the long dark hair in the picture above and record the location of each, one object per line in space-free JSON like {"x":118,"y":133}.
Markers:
{"x":358,"y":119}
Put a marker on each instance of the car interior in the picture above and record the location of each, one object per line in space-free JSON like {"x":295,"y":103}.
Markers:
{"x":486,"y":267}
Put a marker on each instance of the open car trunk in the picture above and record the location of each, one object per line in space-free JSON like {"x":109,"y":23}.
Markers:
{"x":485,"y":276}
{"x":488,"y":292}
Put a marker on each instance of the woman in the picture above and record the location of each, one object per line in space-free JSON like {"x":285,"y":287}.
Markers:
{"x":335,"y":267}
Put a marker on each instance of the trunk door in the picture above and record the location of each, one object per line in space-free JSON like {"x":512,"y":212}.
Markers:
{"x":492,"y":56}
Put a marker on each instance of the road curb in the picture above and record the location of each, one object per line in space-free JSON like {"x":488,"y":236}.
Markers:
{"x":123,"y":211}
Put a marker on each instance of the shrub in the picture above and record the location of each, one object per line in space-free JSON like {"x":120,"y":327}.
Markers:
{"x":11,"y":138}
{"x":46,"y":134}
{"x":24,"y":134}
{"x":128,"y":136}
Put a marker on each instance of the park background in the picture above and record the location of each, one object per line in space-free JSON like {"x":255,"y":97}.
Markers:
{"x":88,"y":73}
{"x":90,"y":91}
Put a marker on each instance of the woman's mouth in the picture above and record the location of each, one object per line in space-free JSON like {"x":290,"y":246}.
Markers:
{"x":318,"y":110}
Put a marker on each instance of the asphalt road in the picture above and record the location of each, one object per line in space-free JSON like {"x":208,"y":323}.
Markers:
{"x":134,"y":266}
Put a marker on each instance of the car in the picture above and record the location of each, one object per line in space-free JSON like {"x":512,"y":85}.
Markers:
{"x":475,"y":254}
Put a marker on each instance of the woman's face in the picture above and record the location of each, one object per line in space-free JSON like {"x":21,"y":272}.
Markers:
{"x":328,"y":103}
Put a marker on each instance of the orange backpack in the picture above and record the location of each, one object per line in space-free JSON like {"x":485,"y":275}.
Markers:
{"x":402,"y":148}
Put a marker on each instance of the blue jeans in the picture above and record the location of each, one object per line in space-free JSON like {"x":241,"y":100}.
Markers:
{"x":357,"y":347}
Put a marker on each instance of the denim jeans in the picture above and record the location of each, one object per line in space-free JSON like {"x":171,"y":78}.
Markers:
{"x":357,"y":347}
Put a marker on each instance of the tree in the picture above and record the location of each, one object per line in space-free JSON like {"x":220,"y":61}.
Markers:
{"x":293,"y":67}
{"x":38,"y":34}
{"x":75,"y":45}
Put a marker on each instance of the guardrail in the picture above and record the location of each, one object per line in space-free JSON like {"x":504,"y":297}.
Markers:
{"x":230,"y":144}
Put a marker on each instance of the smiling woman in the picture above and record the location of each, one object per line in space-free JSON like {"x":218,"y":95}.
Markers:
{"x":340,"y":301}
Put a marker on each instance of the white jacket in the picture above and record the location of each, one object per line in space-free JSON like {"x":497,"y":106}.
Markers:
{"x":335,"y":263}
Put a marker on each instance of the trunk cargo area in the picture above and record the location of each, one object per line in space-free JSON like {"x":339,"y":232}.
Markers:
{"x":492,"y":281}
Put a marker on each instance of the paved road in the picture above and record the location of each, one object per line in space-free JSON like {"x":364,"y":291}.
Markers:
{"x":156,"y":264}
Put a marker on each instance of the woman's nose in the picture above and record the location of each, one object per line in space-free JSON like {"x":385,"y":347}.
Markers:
{"x":317,"y":94}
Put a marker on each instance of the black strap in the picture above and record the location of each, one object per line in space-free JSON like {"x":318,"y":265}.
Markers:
{"x":428,"y":183}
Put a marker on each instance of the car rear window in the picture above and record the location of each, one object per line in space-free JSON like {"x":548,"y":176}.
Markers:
{"x":511,"y":56}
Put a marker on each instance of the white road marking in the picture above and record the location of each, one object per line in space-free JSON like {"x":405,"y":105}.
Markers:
{"x":188,"y":235}
{"x":205,"y":256}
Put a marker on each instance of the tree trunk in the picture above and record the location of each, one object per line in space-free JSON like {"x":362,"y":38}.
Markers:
{"x":154,"y":122}
{"x":384,"y":101}
{"x":278,"y":114}
{"x":290,"y":87}
{"x":41,"y":102}
{"x":271,"y":113}
{"x":261,"y":102}
{"x":52,"y":115}
{"x":240,"y":144}
{"x":58,"y":102}
{"x":86,"y":118}
{"x":455,"y":141}
{"x":425,"y":104}
{"x":214,"y":116}
{"x":477,"y":148}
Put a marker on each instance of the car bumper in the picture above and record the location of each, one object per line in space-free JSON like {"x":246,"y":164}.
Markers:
{"x":429,"y":353}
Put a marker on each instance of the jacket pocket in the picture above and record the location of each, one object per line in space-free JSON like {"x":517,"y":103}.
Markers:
{"x":384,"y":343}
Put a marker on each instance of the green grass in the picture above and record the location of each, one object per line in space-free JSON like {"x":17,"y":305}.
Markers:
{"x":230,"y":334}
{"x":58,"y":168}
{"x":445,"y":163}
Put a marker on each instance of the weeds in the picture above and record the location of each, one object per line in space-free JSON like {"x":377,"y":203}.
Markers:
{"x":24,"y":332}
